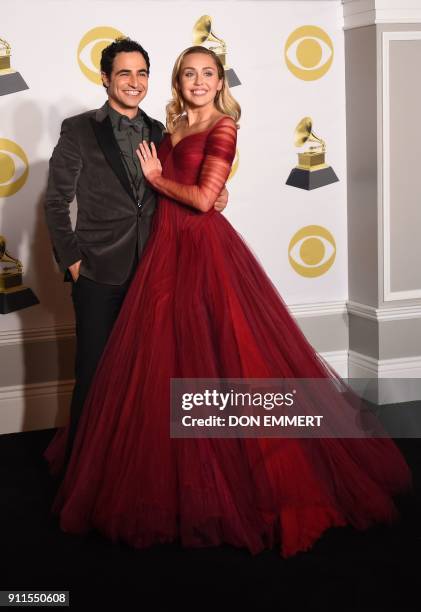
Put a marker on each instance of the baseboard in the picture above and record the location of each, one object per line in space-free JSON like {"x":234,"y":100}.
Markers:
{"x":362,"y":366}
{"x":386,"y":381}
{"x":35,"y":406}
{"x":338,"y":360}
{"x":46,"y":405}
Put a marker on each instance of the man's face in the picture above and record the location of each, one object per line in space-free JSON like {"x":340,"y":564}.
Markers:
{"x":128,"y":83}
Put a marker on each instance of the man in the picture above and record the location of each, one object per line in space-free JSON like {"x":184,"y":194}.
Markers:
{"x":95,"y":160}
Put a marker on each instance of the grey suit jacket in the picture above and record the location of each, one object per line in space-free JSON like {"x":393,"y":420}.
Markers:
{"x":110,"y":226}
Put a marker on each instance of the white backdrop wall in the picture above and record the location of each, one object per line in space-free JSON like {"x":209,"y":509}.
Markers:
{"x":45,"y":36}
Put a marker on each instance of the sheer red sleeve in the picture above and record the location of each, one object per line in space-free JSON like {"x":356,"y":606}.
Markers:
{"x":219,"y":155}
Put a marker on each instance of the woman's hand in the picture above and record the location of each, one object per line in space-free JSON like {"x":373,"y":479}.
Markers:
{"x":221,"y":200}
{"x":150,"y":164}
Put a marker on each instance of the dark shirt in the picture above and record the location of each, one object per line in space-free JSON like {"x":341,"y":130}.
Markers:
{"x":128,"y":139}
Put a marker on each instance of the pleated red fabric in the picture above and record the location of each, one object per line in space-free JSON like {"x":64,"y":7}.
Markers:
{"x":201,"y":306}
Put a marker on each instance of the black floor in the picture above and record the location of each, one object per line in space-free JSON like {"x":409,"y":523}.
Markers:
{"x":346,"y":570}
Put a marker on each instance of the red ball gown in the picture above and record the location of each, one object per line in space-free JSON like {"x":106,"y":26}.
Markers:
{"x":201,"y":306}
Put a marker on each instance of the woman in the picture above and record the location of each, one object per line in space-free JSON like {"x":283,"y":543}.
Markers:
{"x":200,"y":306}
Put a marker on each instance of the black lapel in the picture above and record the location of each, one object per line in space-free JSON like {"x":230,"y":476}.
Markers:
{"x":105,"y":137}
{"x":156,"y":134}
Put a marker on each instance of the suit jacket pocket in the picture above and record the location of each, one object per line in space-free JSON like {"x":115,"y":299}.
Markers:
{"x":93,"y":236}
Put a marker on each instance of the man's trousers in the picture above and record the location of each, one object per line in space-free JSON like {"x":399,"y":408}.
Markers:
{"x":96,"y":307}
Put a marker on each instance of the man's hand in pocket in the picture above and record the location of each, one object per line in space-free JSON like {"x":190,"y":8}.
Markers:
{"x":74,"y":270}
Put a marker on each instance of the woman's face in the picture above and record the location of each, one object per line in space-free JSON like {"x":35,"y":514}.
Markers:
{"x":199,"y":81}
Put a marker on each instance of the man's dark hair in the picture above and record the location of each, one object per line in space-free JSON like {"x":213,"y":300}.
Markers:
{"x":121,"y":45}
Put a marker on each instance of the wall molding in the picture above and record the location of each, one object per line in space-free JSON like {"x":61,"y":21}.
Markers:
{"x":40,"y":334}
{"x":57,"y":332}
{"x":318,"y":309}
{"x":386,"y":313}
{"x":303,"y":310}
{"x":341,"y":307}
{"x":361,"y":13}
{"x":388,"y":293}
{"x":310,"y":309}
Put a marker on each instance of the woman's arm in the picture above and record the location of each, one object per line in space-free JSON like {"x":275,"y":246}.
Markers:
{"x":219,"y":155}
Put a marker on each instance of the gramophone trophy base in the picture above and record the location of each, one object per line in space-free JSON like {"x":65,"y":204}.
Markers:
{"x":311,"y":179}
{"x":11,"y":83}
{"x":10,"y":279}
{"x":232,"y":78}
{"x":16,"y":299}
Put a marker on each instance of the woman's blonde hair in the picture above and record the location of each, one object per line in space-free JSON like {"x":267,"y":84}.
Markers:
{"x":224,"y":101}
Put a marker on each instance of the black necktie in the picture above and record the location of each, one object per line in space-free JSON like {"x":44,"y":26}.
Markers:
{"x":126,"y":123}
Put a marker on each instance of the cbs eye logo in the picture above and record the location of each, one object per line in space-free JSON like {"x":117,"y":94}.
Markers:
{"x":312,"y":251}
{"x":90,"y":49}
{"x":234,"y":166}
{"x":308,"y":53}
{"x":14,"y":167}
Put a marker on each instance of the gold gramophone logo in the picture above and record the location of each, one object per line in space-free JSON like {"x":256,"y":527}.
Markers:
{"x":311,"y":172}
{"x":13,"y":295}
{"x":10,"y":80}
{"x":90,"y":48}
{"x":203,"y":35}
{"x":308,"y":52}
{"x":312,"y":251}
{"x":14,"y":167}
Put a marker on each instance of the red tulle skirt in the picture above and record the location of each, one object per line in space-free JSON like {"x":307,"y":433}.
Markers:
{"x":201,"y":306}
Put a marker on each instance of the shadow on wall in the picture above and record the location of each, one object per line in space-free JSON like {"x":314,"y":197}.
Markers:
{"x":50,"y":359}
